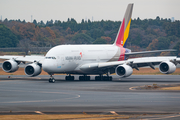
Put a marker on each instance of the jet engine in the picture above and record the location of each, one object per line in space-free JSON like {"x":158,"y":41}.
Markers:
{"x":124,"y":70}
{"x":10,"y":66}
{"x":167,"y":67}
{"x":32,"y":70}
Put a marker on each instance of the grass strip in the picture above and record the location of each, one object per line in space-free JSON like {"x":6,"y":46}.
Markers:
{"x":65,"y":116}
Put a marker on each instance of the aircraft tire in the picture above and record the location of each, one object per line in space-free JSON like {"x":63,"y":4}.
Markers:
{"x":72,"y":78}
{"x":81,"y":78}
{"x":107,"y":78}
{"x":52,"y":80}
{"x":97,"y":78}
{"x":110,"y":78}
{"x":69,"y":78}
{"x":84,"y":78}
{"x":104,"y":78}
{"x":88,"y":78}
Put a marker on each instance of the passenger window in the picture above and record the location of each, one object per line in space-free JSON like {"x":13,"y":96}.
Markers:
{"x":50,"y":58}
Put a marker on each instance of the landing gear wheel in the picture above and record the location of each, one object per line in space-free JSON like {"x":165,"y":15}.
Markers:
{"x":103,"y":78}
{"x":110,"y":78}
{"x":51,"y":80}
{"x":107,"y":78}
{"x":88,"y":78}
{"x":98,"y":78}
{"x":69,"y":78}
{"x":84,"y":78}
{"x":81,"y":78}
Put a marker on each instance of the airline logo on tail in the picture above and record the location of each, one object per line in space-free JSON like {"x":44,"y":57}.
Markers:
{"x":123,"y":32}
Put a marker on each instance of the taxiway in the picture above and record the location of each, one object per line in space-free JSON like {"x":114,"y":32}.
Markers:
{"x":20,"y":93}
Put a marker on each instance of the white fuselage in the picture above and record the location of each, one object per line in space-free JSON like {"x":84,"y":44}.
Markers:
{"x":69,"y":58}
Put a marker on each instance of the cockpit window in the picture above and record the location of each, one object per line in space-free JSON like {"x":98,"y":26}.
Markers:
{"x":50,"y":58}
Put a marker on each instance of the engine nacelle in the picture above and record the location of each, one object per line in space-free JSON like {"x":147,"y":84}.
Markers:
{"x":10,"y":66}
{"x":167,"y":67}
{"x":32,"y":70}
{"x":124,"y":70}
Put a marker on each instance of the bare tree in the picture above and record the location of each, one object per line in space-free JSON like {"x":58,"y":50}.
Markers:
{"x":25,"y":45}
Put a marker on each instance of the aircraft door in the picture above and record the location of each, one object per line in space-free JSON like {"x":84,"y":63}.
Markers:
{"x":60,"y":60}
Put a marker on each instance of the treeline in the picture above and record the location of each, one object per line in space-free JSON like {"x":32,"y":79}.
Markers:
{"x":147,"y":34}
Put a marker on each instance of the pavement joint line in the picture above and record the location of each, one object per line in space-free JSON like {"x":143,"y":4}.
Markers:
{"x":113,"y":112}
{"x":39,"y":112}
{"x":166,"y":117}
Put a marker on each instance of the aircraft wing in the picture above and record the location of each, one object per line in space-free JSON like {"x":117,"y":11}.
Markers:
{"x":31,"y":58}
{"x":145,"y":52}
{"x":140,"y":61}
{"x":134,"y":63}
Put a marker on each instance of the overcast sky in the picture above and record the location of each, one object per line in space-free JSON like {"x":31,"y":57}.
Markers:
{"x":87,"y":9}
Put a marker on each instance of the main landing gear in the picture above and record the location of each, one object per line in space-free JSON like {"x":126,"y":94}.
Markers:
{"x":69,"y":78}
{"x":84,"y":78}
{"x":81,"y":78}
{"x":103,"y":78}
{"x":51,"y":79}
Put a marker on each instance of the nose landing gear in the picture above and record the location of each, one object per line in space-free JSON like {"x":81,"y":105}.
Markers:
{"x":51,"y":79}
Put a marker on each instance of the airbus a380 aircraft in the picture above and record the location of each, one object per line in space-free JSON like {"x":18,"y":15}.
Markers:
{"x":92,"y":59}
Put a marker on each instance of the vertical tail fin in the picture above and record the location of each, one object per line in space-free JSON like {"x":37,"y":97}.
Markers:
{"x":123,"y":32}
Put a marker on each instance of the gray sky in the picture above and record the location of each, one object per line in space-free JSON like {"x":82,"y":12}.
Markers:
{"x":86,"y":9}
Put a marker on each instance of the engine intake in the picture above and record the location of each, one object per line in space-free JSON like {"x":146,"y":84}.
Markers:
{"x":124,"y":70}
{"x":32,"y":70}
{"x":10,"y":66}
{"x":167,"y":67}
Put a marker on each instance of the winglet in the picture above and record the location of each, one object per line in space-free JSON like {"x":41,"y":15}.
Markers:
{"x":123,"y":32}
